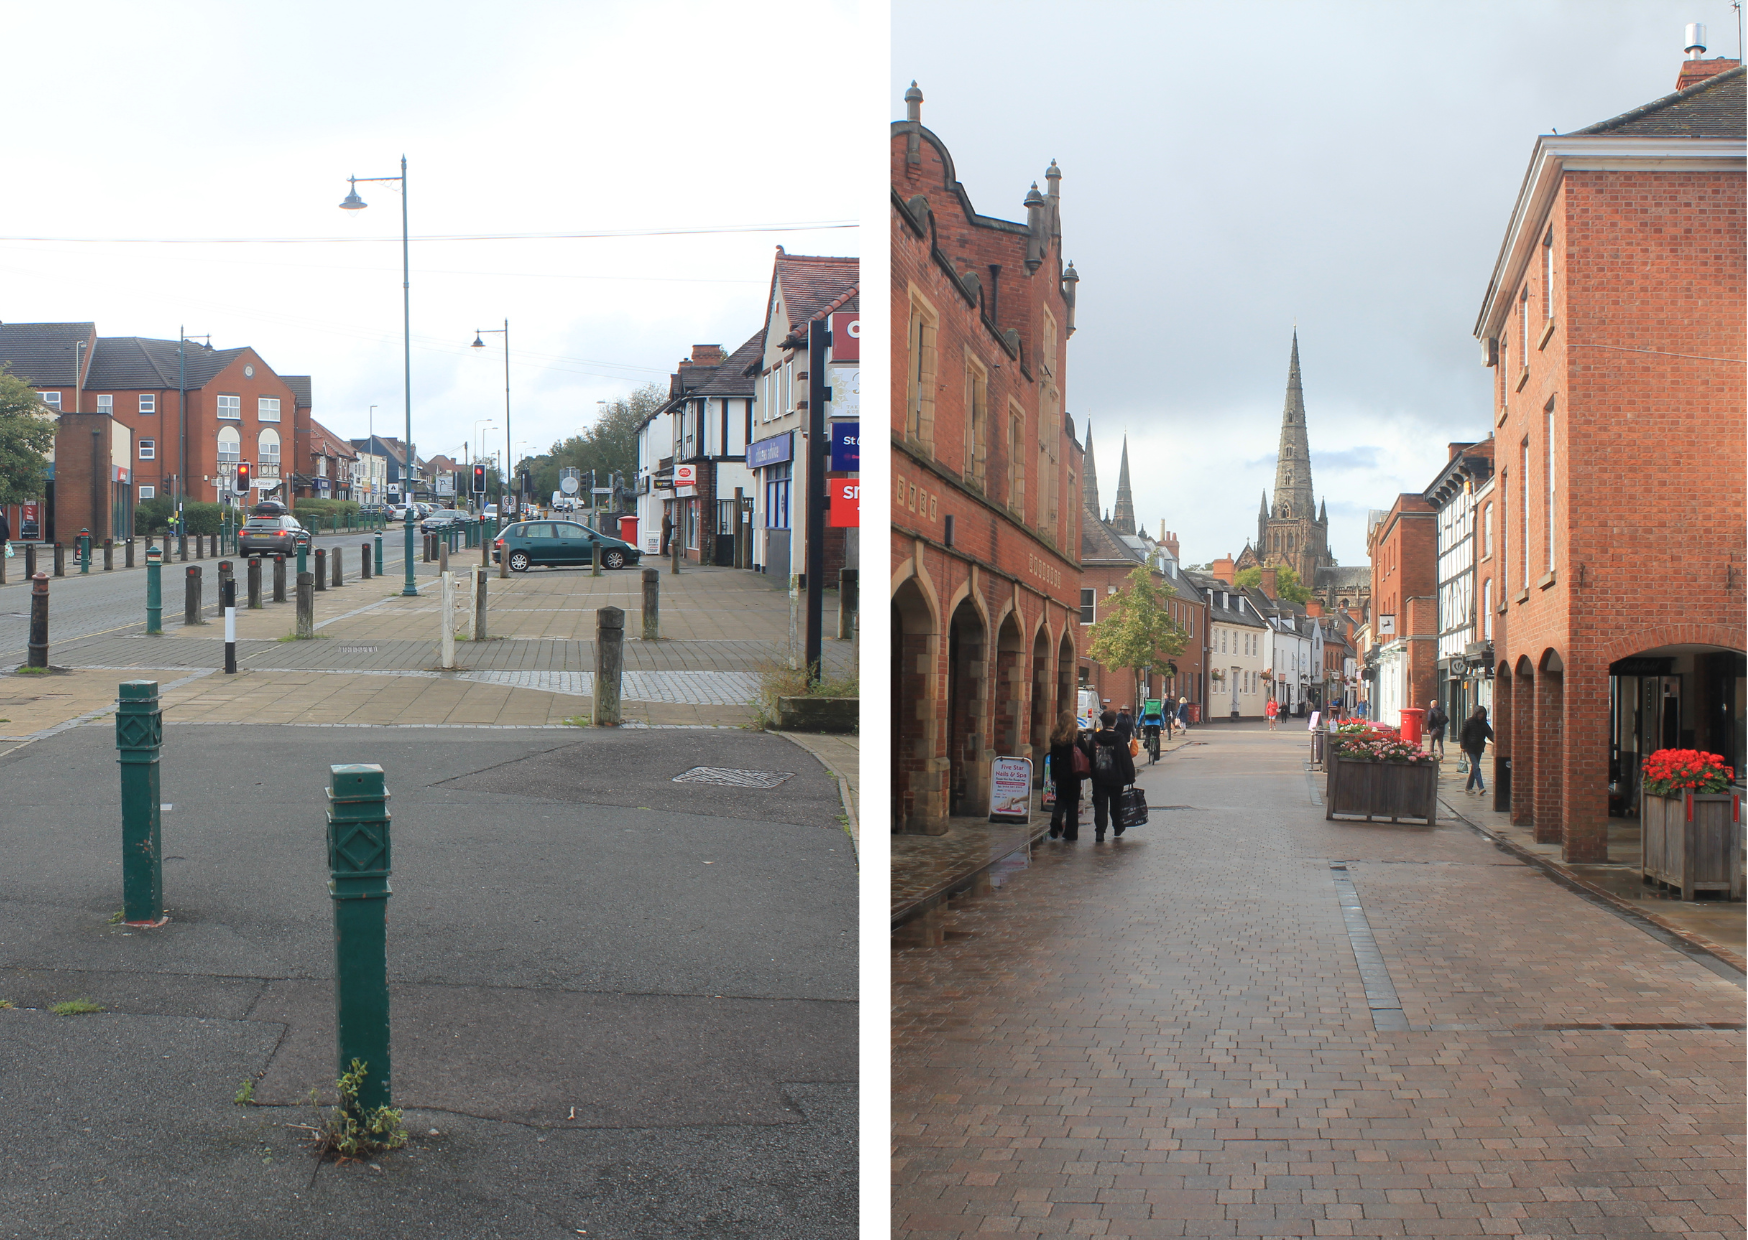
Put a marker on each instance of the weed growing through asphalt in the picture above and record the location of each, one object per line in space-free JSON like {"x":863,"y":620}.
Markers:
{"x":75,"y":1007}
{"x":246,"y":1094}
{"x":346,"y":1132}
{"x":6,"y":1005}
{"x":32,"y":671}
{"x":115,"y":917}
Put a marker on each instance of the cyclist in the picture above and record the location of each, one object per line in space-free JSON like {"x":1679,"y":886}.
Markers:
{"x":1152,"y":720}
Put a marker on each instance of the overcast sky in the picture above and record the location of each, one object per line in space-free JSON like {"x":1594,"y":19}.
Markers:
{"x":178,"y":120}
{"x":1229,"y":169}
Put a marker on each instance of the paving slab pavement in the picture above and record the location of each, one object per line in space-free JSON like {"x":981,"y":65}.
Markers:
{"x":1243,"y":1020}
{"x":583,"y":936}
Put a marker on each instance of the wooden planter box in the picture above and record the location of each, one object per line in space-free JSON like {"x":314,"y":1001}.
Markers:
{"x":1393,"y":790}
{"x":1697,"y":852}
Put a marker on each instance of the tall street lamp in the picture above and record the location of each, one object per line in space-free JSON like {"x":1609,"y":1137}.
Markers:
{"x":479,"y":343}
{"x":182,"y":339}
{"x":354,"y":203}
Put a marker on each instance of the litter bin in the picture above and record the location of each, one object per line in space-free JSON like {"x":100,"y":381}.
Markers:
{"x":1412,"y":718}
{"x":1502,"y":785}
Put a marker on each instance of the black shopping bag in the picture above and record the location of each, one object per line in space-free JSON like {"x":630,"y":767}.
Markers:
{"x":1131,"y":808}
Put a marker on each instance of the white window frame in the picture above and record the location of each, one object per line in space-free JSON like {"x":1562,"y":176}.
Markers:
{"x":267,"y":408}
{"x":230,"y":408}
{"x":148,"y":402}
{"x":148,"y":449}
{"x":238,"y":448}
{"x":1089,"y":602}
{"x":1548,"y":275}
{"x":148,"y":492}
{"x":52,"y":400}
{"x":1550,"y":467}
{"x":106,"y":403}
{"x":267,"y":454}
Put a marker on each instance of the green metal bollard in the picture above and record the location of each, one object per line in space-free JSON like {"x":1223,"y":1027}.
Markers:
{"x":359,"y":864}
{"x":379,"y":552}
{"x":303,"y":553}
{"x":139,"y":734}
{"x":84,"y":543}
{"x":154,"y":590}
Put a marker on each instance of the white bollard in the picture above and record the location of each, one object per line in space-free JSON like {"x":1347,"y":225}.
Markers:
{"x":446,"y":619}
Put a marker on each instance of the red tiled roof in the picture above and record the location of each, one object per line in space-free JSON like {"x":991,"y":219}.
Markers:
{"x":324,"y":442}
{"x":812,"y":283}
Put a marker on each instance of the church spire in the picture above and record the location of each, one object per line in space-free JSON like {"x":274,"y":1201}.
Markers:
{"x":1293,"y":496}
{"x":1124,"y":519}
{"x":1089,"y":487}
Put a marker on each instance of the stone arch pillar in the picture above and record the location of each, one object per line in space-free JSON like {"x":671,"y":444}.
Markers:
{"x":1550,"y":745}
{"x":919,"y":766}
{"x":1523,"y":744}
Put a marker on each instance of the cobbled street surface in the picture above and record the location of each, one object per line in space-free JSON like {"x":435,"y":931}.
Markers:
{"x":1243,"y":1020}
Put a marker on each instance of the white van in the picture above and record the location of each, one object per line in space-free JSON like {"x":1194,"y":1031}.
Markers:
{"x":1086,"y":710}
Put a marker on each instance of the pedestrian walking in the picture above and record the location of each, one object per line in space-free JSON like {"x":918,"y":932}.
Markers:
{"x":1183,"y":712}
{"x":1112,"y":771}
{"x":1069,"y":764}
{"x":1436,"y":720}
{"x":1273,"y":710}
{"x":1473,"y":740}
{"x":1125,"y":722}
{"x":667,"y":531}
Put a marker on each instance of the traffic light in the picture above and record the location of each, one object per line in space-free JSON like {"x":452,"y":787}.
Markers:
{"x":479,"y":479}
{"x":242,"y":477}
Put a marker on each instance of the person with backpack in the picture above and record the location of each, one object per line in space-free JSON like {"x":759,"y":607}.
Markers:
{"x":1069,"y":764}
{"x":1113,"y":769}
{"x":1473,"y":739}
{"x":1436,"y":719}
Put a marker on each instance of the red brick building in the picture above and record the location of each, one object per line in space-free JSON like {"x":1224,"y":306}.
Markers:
{"x":1613,"y":319}
{"x":1403,"y":546}
{"x":218,"y":405}
{"x":986,"y":483}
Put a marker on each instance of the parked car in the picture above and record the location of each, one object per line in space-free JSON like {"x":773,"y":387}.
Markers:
{"x":442,"y":519}
{"x":271,"y":535}
{"x":559,"y":544}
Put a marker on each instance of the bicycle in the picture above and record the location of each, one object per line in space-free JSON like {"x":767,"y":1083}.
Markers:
{"x":1152,"y":745}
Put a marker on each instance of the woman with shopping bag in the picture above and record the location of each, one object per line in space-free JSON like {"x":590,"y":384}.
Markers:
{"x":1113,"y":769}
{"x":1069,"y":764}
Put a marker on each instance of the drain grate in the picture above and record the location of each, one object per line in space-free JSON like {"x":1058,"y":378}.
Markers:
{"x":731,"y":778}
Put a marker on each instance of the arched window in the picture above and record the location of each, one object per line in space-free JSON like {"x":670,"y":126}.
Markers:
{"x":230,"y":448}
{"x":267,"y":465}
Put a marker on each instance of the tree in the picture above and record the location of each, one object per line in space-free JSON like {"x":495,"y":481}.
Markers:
{"x":1137,"y":630}
{"x":608,"y":446}
{"x":1287,"y":583}
{"x":27,"y":434}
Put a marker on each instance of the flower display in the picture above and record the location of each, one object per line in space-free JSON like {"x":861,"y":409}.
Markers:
{"x":1370,"y":742}
{"x":1671,"y":771}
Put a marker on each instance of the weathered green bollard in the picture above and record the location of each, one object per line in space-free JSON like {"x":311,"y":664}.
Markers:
{"x":379,"y":553}
{"x":139,"y":733}
{"x":359,"y":864}
{"x":84,"y":541}
{"x":154,"y":590}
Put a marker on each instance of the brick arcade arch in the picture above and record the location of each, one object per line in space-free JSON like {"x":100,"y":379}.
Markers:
{"x":918,"y":803}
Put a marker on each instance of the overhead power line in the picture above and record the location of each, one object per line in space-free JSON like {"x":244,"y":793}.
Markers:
{"x":535,"y":236}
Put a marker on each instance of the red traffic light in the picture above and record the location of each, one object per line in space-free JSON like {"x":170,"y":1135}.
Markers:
{"x":479,"y":479}
{"x":242,"y":477}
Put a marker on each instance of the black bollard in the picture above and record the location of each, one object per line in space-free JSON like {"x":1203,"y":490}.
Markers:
{"x":129,"y":561}
{"x":39,"y":621}
{"x":279,"y":577}
{"x":60,"y":560}
{"x":109,"y":555}
{"x":334,"y":562}
{"x":191,"y":596}
{"x":255,"y":583}
{"x":364,"y":559}
{"x":321,"y":568}
{"x":29,"y":561}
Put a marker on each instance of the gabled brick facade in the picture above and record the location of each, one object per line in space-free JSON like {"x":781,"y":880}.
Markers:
{"x":986,"y":484}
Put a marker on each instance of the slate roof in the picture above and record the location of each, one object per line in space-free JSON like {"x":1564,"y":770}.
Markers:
{"x":731,"y":378}
{"x":324,"y":442}
{"x":300,"y":389}
{"x":446,"y":463}
{"x":1100,"y":544}
{"x":1211,"y":587}
{"x":1713,"y":108}
{"x":42,"y":353}
{"x":123,"y":362}
{"x":1343,"y":578}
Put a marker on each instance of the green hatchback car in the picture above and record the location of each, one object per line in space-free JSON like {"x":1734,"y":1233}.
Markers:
{"x":559,"y":544}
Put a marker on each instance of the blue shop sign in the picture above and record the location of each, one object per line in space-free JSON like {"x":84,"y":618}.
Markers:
{"x":846,"y":452}
{"x":772,"y":451}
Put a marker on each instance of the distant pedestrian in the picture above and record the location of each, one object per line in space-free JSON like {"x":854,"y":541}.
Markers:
{"x":5,"y":528}
{"x":1125,"y":722}
{"x":1065,"y":743}
{"x":1112,"y":771}
{"x":1183,"y":712}
{"x":667,"y":531}
{"x":1475,"y":735}
{"x":1273,"y":710}
{"x":1436,"y":719}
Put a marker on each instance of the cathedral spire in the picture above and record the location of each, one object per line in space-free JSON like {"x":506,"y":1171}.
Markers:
{"x":1293,"y":497}
{"x":1124,"y":520}
{"x":1089,"y":487}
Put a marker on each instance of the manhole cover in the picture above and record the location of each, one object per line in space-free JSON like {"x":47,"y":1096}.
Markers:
{"x":733,"y":778}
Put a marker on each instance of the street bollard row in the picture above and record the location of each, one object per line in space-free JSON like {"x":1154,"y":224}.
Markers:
{"x":360,"y":862}
{"x":609,"y":666}
{"x":279,"y":577}
{"x":321,"y":573}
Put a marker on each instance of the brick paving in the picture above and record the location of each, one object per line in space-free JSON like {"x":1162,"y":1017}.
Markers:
{"x":1169,"y":1035}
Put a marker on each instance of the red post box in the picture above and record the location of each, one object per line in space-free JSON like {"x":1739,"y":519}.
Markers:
{"x":1412,"y":718}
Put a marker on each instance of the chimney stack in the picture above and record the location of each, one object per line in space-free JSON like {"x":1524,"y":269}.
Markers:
{"x":1222,"y":569}
{"x":1169,"y":538}
{"x":1268,"y":582}
{"x":1313,"y":608}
